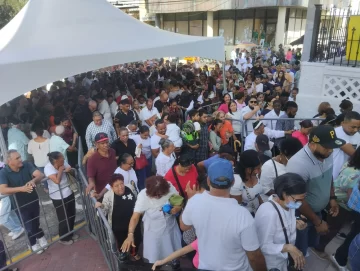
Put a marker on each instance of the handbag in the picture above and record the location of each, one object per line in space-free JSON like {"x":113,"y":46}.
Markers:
{"x":291,"y":264}
{"x":71,"y":180}
{"x":141,"y":162}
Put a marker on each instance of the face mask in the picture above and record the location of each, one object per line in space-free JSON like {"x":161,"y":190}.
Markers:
{"x":293,"y":205}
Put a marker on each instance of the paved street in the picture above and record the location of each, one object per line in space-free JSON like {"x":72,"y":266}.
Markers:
{"x":48,"y":222}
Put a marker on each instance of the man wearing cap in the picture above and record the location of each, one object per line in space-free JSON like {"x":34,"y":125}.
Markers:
{"x":259,"y":129}
{"x":314,"y":163}
{"x":99,"y":125}
{"x":101,"y":165}
{"x":237,"y":238}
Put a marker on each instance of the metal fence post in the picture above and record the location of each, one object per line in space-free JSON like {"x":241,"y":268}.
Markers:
{"x":316,"y":28}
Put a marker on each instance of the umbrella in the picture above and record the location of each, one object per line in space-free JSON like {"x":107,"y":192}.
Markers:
{"x":245,"y":45}
{"x":298,"y":41}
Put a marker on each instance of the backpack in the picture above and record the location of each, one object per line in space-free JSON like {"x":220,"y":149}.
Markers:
{"x":188,"y":131}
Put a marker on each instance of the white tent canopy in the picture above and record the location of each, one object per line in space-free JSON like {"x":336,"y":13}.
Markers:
{"x":53,"y":39}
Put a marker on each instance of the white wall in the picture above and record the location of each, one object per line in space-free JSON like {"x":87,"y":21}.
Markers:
{"x":320,"y":82}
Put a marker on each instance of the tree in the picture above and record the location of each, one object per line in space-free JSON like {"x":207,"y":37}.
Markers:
{"x":8,"y":10}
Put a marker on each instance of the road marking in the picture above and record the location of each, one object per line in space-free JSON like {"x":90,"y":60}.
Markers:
{"x":22,"y":255}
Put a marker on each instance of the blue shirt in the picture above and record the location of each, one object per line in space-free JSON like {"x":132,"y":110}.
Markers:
{"x":18,"y":141}
{"x":354,"y":200}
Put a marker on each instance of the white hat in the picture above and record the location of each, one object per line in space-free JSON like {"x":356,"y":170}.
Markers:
{"x":197,"y":126}
{"x":124,"y":97}
{"x":59,"y":130}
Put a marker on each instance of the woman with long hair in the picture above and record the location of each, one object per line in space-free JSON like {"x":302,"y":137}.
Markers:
{"x":247,"y":189}
{"x":276,"y":223}
{"x":280,"y":79}
{"x":224,"y":107}
{"x":161,"y":232}
{"x":235,"y":115}
{"x":214,"y":137}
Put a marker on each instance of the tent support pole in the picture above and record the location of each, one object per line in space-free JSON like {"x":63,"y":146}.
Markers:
{"x":224,"y":75}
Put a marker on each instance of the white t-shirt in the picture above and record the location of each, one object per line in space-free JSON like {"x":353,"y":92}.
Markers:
{"x":339,"y":156}
{"x":146,"y":114}
{"x":271,"y":235}
{"x":130,"y":179}
{"x":146,"y":145}
{"x":250,"y":198}
{"x":173,"y":132}
{"x":54,"y":191}
{"x":258,"y":87}
{"x":250,"y":121}
{"x":155,"y":139}
{"x":268,"y":175}
{"x":45,"y":134}
{"x":59,"y":144}
{"x":234,"y":236}
{"x":163,"y":163}
{"x":39,"y":151}
{"x":236,"y":123}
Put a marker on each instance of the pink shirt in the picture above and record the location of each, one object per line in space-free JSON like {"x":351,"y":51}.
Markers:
{"x":224,"y":108}
{"x":302,"y":138}
{"x":194,"y":245}
{"x":240,"y":106}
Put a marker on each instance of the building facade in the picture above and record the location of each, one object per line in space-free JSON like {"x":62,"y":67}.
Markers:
{"x":277,"y":21}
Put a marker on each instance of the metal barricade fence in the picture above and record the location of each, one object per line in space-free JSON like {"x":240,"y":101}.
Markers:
{"x":45,"y":221}
{"x":97,"y":223}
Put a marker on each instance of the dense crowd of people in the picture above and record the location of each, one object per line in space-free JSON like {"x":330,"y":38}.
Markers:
{"x":165,"y":162}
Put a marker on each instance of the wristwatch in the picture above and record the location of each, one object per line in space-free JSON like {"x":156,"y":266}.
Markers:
{"x":333,"y":197}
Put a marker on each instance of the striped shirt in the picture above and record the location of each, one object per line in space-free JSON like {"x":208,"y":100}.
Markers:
{"x":92,"y":130}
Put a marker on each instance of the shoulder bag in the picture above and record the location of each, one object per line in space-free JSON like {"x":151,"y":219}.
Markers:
{"x":182,"y":193}
{"x":276,"y":172}
{"x":290,"y":264}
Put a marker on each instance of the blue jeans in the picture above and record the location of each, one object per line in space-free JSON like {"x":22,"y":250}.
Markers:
{"x":354,"y":253}
{"x":44,"y":183}
{"x":9,"y":218}
{"x":307,"y":237}
{"x":142,"y":174}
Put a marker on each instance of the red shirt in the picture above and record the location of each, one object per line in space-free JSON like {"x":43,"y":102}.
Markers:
{"x":183,"y":180}
{"x":101,"y":169}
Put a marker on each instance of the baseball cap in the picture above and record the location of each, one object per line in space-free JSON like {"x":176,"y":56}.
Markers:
{"x":257,"y":124}
{"x":325,"y":136}
{"x":100,"y":137}
{"x":262,"y":141}
{"x":221,"y":169}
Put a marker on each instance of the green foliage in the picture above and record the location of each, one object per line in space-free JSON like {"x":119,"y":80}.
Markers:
{"x":8,"y":10}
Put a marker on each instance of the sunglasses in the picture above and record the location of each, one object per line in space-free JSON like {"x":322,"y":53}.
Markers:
{"x":253,"y":102}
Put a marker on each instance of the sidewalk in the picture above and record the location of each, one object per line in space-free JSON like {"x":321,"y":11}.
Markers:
{"x":84,"y":254}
